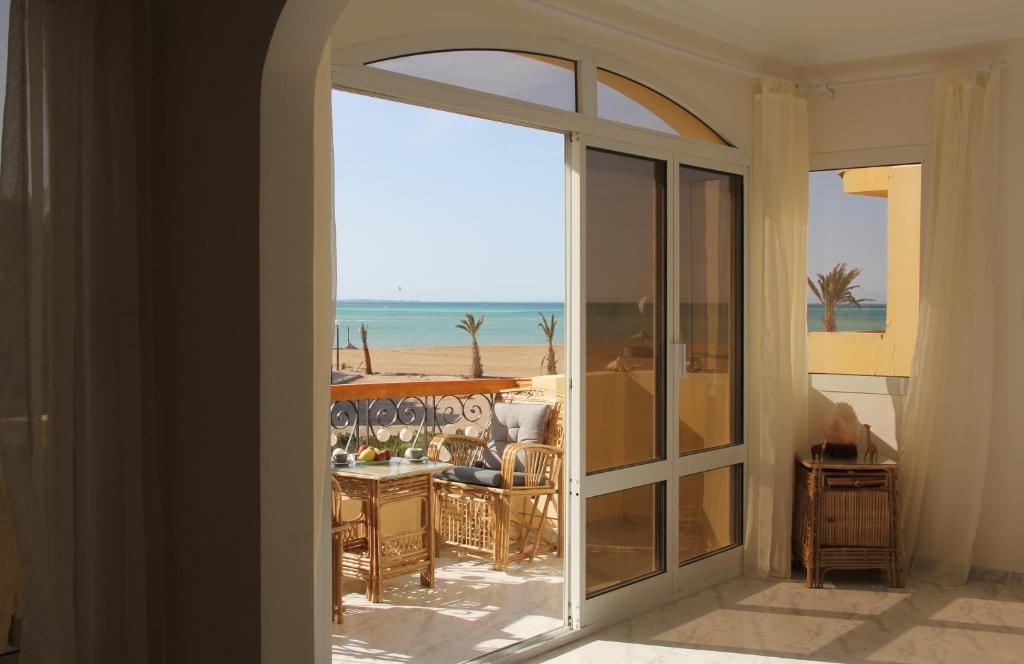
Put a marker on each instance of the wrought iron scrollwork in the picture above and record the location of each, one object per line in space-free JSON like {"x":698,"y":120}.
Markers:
{"x":363,"y":419}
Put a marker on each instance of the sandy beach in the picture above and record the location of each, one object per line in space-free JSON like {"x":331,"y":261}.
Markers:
{"x":426,"y":362}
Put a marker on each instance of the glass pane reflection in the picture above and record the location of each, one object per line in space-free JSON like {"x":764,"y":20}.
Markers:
{"x":710,"y":256}
{"x":625,"y":305}
{"x":709,"y":511}
{"x":625,"y":537}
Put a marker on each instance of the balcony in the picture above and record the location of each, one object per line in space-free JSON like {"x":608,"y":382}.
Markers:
{"x":472,"y":609}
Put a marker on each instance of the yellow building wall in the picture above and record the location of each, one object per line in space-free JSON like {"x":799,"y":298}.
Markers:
{"x":888,"y":353}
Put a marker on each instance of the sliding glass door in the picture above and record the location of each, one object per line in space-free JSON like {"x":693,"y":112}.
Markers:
{"x":654,"y":370}
{"x":707,"y":377}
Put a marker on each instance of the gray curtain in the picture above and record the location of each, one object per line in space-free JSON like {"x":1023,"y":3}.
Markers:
{"x":75,"y":429}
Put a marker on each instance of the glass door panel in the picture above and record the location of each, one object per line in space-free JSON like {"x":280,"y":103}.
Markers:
{"x":709,"y":511}
{"x":625,"y":309}
{"x":709,"y":295}
{"x":656,"y":485}
{"x":625,"y":537}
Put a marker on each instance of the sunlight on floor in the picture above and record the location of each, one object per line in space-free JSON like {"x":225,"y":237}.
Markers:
{"x":856,"y":619}
{"x":472,"y":610}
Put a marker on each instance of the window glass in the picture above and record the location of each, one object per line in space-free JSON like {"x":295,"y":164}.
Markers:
{"x":709,"y":511}
{"x":625,"y":537}
{"x":624,"y":100}
{"x":540,"y":79}
{"x":710,"y":293}
{"x":625,"y":274}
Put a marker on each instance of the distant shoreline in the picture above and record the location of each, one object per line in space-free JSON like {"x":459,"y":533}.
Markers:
{"x":437,"y":362}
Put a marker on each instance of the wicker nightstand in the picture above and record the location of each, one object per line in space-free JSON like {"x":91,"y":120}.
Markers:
{"x":846,"y":516}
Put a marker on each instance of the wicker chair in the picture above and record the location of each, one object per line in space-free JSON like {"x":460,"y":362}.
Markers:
{"x":345,"y":533}
{"x":338,"y":528}
{"x":509,"y":521}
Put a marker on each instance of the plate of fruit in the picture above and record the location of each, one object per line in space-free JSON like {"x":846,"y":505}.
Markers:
{"x":372,"y":456}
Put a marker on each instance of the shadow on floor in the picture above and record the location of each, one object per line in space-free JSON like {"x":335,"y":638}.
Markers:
{"x":471,"y":610}
{"x":857,"y":618}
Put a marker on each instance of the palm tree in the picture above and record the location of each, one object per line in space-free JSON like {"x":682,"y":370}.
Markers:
{"x":548,"y":328}
{"x":835,"y":290}
{"x":366,"y":349}
{"x":472,"y":326}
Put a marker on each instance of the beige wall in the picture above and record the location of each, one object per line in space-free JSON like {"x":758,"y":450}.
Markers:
{"x":896,"y":115}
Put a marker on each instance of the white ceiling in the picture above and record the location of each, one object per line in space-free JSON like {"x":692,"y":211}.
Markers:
{"x":812,"y":32}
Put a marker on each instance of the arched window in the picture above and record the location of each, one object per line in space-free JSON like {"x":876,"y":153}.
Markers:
{"x":624,"y":100}
{"x":540,"y":79}
{"x":551,"y":81}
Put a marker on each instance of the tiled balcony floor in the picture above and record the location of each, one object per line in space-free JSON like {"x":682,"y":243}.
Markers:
{"x":471,"y":610}
{"x":857,"y":619}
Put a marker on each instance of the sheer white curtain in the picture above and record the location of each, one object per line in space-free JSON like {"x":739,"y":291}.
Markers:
{"x":75,"y":448}
{"x":776,"y":364}
{"x":948,"y":415}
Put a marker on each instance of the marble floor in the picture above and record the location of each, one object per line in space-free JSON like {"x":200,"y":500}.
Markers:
{"x":856,"y":619}
{"x":471,"y":610}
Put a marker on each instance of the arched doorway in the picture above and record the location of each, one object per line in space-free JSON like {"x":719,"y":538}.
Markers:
{"x":295,"y":322}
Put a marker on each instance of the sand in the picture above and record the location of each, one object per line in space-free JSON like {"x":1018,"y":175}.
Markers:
{"x":429,"y":362}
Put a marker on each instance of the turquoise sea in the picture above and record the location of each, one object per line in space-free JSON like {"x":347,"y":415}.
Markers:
{"x":869,"y":318}
{"x":402,"y":324}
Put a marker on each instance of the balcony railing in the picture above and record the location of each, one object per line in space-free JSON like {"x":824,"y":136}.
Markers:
{"x":360,"y":411}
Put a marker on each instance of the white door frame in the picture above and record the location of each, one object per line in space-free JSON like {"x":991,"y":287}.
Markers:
{"x":583,"y":128}
{"x":678,"y":579}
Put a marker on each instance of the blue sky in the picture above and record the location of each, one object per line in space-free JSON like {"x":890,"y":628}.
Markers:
{"x":846,"y":228}
{"x":440,"y":206}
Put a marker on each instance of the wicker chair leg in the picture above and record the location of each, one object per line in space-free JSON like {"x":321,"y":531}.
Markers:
{"x":337,"y":603}
{"x":501,"y":533}
{"x":538,"y":530}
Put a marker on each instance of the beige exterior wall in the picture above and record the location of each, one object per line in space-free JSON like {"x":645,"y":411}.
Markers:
{"x":888,"y":353}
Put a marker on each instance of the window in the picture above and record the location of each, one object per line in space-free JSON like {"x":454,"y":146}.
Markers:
{"x":540,"y":79}
{"x":551,"y":81}
{"x":625,"y":100}
{"x":863,"y":263}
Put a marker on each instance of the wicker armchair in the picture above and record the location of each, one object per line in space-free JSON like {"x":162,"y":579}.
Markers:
{"x":508,"y":521}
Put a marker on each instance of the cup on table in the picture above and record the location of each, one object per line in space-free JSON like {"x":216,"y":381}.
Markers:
{"x":414,"y":453}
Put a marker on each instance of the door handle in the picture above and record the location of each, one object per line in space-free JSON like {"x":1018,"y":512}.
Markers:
{"x":679,"y":359}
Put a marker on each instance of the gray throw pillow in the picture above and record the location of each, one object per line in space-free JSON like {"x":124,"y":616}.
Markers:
{"x":514,"y":423}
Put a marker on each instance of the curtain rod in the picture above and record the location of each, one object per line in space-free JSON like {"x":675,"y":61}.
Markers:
{"x":827,"y":88}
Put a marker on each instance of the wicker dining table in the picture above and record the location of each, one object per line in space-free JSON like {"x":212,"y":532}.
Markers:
{"x":368,"y":552}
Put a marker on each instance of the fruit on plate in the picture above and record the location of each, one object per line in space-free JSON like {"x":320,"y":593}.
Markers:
{"x":383,"y":455}
{"x":362,"y":447}
{"x":369,"y":454}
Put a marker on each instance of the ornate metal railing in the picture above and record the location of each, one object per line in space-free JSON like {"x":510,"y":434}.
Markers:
{"x":360,"y":412}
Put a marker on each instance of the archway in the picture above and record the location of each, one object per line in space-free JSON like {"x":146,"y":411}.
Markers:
{"x":294,"y":261}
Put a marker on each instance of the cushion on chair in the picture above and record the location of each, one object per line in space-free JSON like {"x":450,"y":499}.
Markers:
{"x":514,"y":423}
{"x":481,"y":476}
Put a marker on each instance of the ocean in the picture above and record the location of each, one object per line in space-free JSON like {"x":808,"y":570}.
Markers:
{"x":870,"y":317}
{"x":405,"y":324}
